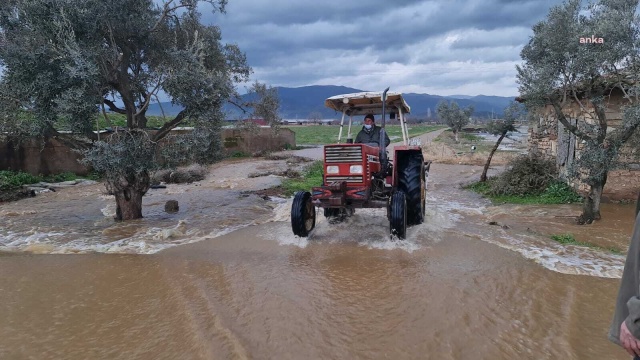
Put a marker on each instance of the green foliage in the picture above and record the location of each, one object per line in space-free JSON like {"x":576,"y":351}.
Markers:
{"x":569,"y":239}
{"x":455,"y":117}
{"x":67,"y":60}
{"x":11,"y":180}
{"x":512,"y":113}
{"x":471,"y":137}
{"x":239,"y":154}
{"x":15,"y":179}
{"x":312,"y":176}
{"x":564,"y":73}
{"x":560,"y":192}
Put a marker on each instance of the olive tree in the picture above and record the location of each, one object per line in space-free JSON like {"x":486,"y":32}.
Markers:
{"x":454,"y":116}
{"x":66,"y":62}
{"x":501,"y":128}
{"x":576,"y":80}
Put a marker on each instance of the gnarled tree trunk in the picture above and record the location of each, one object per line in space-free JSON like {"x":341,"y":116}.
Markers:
{"x":591,"y":207}
{"x":483,"y":177}
{"x":129,"y":191}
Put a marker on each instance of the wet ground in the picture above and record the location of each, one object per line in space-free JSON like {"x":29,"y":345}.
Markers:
{"x":241,"y":286}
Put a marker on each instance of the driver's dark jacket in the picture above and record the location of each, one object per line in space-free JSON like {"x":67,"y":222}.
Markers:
{"x":372,"y":136}
{"x":628,"y":301}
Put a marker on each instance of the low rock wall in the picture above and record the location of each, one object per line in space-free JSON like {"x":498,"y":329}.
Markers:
{"x":52,"y":157}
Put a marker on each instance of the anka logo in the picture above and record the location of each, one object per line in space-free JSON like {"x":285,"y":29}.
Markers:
{"x":592,"y":40}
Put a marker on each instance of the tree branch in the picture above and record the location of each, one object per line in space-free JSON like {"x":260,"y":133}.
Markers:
{"x":164,"y":130}
{"x":563,"y":119}
{"x":166,"y":10}
{"x":239,"y":106}
{"x":160,"y":104}
{"x":106,"y":118}
{"x":148,"y":98}
{"x":112,"y":106}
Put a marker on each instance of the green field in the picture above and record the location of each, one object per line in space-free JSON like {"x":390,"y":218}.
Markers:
{"x":328,"y":134}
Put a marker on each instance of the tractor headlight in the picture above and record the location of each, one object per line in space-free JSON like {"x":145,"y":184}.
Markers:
{"x":355,"y":169}
{"x":332,"y":169}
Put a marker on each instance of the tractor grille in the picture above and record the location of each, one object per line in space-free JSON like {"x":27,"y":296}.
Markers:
{"x":348,"y":179}
{"x":342,"y":154}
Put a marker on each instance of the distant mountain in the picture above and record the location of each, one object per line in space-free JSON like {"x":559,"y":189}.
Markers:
{"x":299,"y":103}
{"x":168,"y":108}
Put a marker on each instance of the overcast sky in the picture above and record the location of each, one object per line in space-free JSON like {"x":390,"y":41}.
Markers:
{"x":467,"y":47}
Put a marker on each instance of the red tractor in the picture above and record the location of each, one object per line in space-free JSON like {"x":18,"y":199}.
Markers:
{"x":363,"y":176}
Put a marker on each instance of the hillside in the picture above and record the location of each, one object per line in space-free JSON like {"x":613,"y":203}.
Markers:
{"x":299,"y":103}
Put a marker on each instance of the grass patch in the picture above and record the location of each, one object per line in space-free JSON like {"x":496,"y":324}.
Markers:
{"x":569,"y":239}
{"x":328,"y":134}
{"x":311,"y":176}
{"x":10,"y":180}
{"x":469,"y":137}
{"x":121,"y":120}
{"x":239,"y":154}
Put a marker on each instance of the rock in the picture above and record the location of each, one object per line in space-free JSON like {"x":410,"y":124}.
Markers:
{"x":63,"y":183}
{"x":86,"y":182}
{"x":39,"y":190}
{"x":171,"y":206}
{"x":13,"y":195}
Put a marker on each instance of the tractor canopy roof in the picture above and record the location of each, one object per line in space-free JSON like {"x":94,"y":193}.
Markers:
{"x":367,"y":103}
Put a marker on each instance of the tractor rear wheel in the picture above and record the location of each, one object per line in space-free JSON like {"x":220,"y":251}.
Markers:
{"x":411,"y":181}
{"x":398,"y":221}
{"x":303,"y":214}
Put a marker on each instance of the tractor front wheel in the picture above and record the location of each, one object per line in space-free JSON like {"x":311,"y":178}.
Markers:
{"x":411,"y":181}
{"x":398,"y":218}
{"x":303,"y":214}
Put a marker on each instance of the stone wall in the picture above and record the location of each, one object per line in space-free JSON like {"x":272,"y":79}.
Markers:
{"x":257,"y":140}
{"x":37,"y":157}
{"x":53,"y":157}
{"x":548,"y":137}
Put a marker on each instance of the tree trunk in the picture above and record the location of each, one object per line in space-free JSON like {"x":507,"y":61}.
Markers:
{"x":128,"y":192}
{"x":129,"y":205}
{"x":591,"y":207}
{"x":455,"y":133}
{"x":483,"y":177}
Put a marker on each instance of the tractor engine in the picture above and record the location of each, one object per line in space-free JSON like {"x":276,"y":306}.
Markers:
{"x":350,"y":176}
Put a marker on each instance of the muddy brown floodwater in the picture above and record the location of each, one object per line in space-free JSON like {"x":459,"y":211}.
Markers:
{"x":457,"y":288}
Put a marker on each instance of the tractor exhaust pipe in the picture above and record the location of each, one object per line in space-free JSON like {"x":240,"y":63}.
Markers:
{"x":383,"y":149}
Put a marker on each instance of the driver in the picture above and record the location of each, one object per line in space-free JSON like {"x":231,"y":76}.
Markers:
{"x":370,"y":133}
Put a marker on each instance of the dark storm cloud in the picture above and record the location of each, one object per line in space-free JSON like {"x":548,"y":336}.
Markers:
{"x":295,"y":43}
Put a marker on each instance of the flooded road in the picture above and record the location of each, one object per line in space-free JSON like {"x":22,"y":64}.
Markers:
{"x":457,"y":288}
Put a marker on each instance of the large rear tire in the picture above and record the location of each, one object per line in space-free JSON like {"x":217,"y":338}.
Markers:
{"x":411,"y":181}
{"x":303,"y":214}
{"x":398,"y":221}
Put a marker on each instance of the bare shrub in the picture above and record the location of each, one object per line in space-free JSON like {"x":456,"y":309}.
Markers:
{"x":526,"y":175}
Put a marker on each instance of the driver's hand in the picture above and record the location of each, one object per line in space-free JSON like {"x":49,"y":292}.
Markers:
{"x":628,"y":341}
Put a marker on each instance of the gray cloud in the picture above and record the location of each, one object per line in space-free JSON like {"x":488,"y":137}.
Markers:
{"x":442,"y":47}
